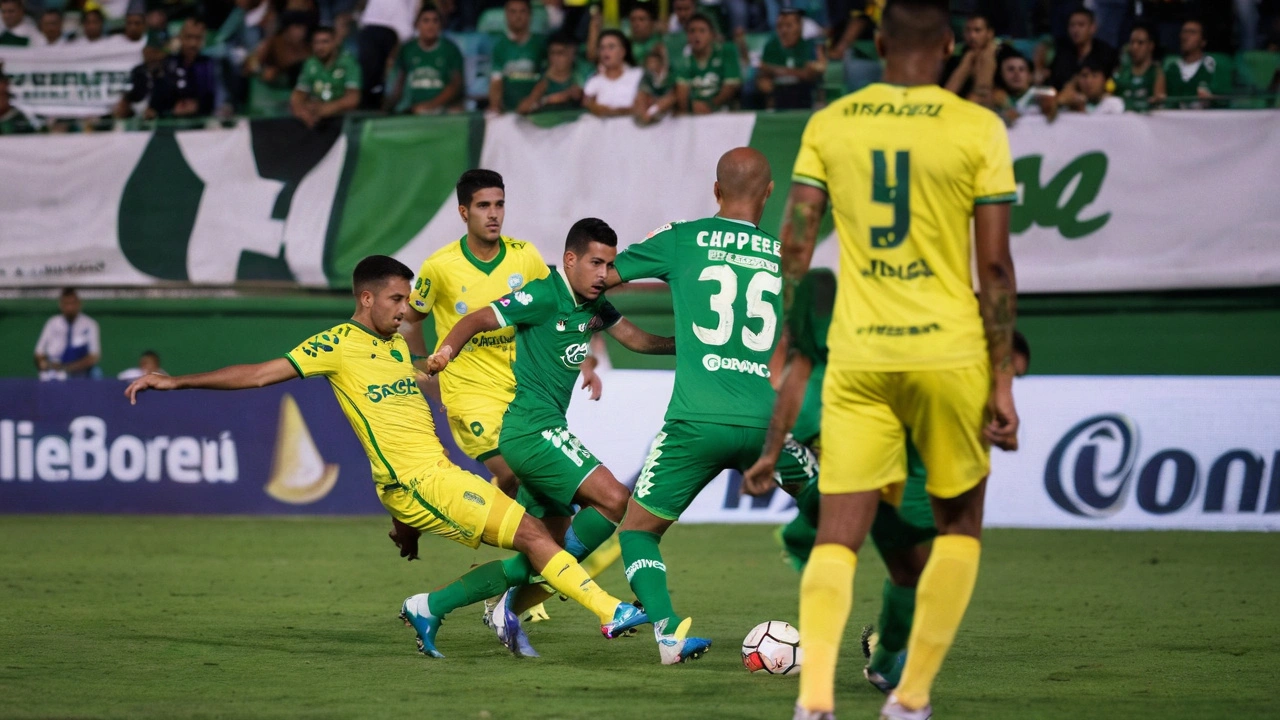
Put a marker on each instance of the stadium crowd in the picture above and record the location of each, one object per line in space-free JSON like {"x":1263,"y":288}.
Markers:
{"x":648,"y":59}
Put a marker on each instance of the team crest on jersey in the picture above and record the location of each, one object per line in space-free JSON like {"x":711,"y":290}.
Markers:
{"x":461,"y":308}
{"x":560,"y":325}
{"x":515,"y":281}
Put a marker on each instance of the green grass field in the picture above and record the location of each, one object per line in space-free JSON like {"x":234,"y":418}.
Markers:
{"x":169,"y":617}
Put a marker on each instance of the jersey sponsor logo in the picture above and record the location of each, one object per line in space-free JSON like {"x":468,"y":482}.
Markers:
{"x":324,"y":342}
{"x":1094,"y":469}
{"x":504,"y":302}
{"x":493,"y":339}
{"x":745,"y":261}
{"x":1049,"y":205}
{"x":523,"y":298}
{"x":740,"y":241}
{"x":655,"y":231}
{"x":906,"y":110}
{"x":644,"y":564}
{"x":402,"y":387}
{"x":473,"y":498}
{"x":716,"y":363}
{"x":86,"y":454}
{"x":515,"y":281}
{"x":899,"y":330}
{"x":422,"y":287}
{"x":575,"y":354}
{"x":476,"y":428}
{"x":560,"y":327}
{"x":460,"y":307}
{"x":913,"y":270}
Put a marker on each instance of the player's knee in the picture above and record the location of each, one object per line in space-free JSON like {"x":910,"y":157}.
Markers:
{"x":530,"y":536}
{"x":614,"y":505}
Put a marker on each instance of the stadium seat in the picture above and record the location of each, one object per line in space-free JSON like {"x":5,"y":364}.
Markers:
{"x":476,"y":48}
{"x":494,"y":21}
{"x":1257,"y":68}
{"x":1224,"y":78}
{"x":1026,"y":47}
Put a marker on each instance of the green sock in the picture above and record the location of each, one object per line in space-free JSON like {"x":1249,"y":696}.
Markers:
{"x":518,"y":570}
{"x":648,"y":575}
{"x":588,"y":531}
{"x":482,"y":582}
{"x":897,"y":608}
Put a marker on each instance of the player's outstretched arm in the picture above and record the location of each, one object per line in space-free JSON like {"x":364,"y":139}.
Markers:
{"x":232,"y":377}
{"x":482,"y":320}
{"x":998,"y":301}
{"x":799,"y":234}
{"x":637,"y":340}
{"x":758,"y":479}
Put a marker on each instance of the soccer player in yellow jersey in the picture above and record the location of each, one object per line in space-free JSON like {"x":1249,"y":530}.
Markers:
{"x":906,"y":166}
{"x":466,"y":275}
{"x":370,"y":368}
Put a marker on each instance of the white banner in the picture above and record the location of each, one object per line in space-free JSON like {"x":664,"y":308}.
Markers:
{"x":71,"y":79}
{"x":1117,"y":453}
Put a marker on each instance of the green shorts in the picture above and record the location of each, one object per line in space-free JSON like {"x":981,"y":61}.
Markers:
{"x":686,"y":455}
{"x":551,"y":464}
{"x":911,"y":521}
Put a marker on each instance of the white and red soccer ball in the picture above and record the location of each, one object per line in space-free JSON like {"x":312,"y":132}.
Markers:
{"x":772,"y":647}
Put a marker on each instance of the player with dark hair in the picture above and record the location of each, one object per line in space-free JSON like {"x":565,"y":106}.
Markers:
{"x":907,"y":167}
{"x":369,"y":366}
{"x":726,"y":288}
{"x":554,"y":320}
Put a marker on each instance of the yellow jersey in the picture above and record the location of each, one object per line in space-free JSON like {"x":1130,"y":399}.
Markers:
{"x":453,"y":282}
{"x":375,"y":383}
{"x":904,"y":168}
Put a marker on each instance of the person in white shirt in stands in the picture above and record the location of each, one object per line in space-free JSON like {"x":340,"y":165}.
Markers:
{"x":384,"y":26}
{"x":69,"y":345}
{"x":611,"y":92}
{"x":148,"y":363}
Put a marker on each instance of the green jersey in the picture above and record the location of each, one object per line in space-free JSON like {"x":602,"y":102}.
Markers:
{"x":559,"y":86}
{"x":808,"y":324}
{"x":640,"y":49}
{"x":428,"y":72}
{"x":792,"y":58}
{"x":706,"y":79}
{"x":519,"y":66}
{"x":657,"y":87}
{"x":726,"y":290}
{"x":1183,"y":80}
{"x":1136,"y":90}
{"x":553,"y":333}
{"x":329,"y":82}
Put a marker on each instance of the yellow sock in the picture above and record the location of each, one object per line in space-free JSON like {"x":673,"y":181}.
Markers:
{"x":941,"y":598}
{"x":826,"y":595}
{"x":603,"y":556}
{"x":569,"y":579}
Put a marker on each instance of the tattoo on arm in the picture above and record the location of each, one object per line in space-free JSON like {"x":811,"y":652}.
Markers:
{"x":799,"y":236}
{"x":999,"y":315}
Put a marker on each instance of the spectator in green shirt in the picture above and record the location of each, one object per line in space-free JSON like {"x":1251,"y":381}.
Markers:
{"x":1191,"y":74}
{"x":329,"y":84}
{"x":518,"y":59}
{"x":431,"y":67}
{"x":558,"y":88}
{"x":1142,"y":84}
{"x":656,"y":97}
{"x":708,"y":77}
{"x":644,"y":30}
{"x":791,"y":66}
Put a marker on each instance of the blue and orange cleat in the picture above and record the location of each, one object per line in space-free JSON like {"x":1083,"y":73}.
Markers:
{"x":678,"y":647}
{"x":626,"y":618}
{"x":415,"y":614}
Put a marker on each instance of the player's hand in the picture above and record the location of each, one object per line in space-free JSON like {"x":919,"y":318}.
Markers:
{"x":1002,"y":427}
{"x":439,"y":360}
{"x":150,"y":381}
{"x":591,"y":380}
{"x":405,"y":538}
{"x":759,"y":478}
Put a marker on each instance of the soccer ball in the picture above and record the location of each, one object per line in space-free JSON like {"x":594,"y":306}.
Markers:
{"x":773,"y":647}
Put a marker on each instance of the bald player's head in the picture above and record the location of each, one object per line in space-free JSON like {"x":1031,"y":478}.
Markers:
{"x":743,"y":175}
{"x":915,"y":26}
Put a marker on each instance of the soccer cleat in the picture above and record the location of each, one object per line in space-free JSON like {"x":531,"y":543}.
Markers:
{"x":487,"y":617}
{"x":415,"y":614}
{"x":884,"y":679}
{"x":507,"y":626}
{"x":678,"y":647}
{"x":626,"y":618}
{"x":802,"y":714}
{"x":537,"y":613}
{"x":894,"y":710}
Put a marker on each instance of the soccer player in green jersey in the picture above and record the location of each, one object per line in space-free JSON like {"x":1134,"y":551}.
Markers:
{"x":902,"y":530}
{"x":518,"y":59}
{"x":708,"y":79}
{"x":368,"y":364}
{"x":554,"y":320}
{"x":726,"y":286}
{"x":329,"y":83}
{"x":431,"y":68}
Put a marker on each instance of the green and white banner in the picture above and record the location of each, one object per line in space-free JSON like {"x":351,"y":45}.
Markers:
{"x":72,"y":79}
{"x":1175,"y":200}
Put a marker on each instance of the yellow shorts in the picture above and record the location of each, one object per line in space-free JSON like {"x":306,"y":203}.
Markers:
{"x":866,"y":416}
{"x":443,"y":499}
{"x":476,"y":421}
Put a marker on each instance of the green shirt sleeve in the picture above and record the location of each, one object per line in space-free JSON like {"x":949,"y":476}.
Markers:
{"x":732,"y":70}
{"x":307,"y":76}
{"x":498,"y":61}
{"x":772,"y":54}
{"x":683,"y":71}
{"x":534,"y":304}
{"x":353,"y":78}
{"x":650,"y":258}
{"x":454,"y":58}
